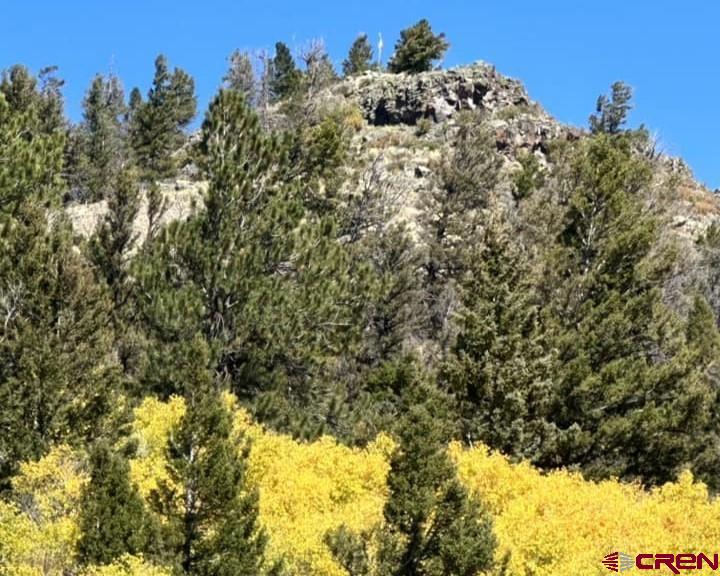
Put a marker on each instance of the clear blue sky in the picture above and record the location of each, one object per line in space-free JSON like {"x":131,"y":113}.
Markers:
{"x":565,"y":51}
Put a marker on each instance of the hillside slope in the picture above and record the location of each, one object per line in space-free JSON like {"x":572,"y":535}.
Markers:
{"x":409,"y":124}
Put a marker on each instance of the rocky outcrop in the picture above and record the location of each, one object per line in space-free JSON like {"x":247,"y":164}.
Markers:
{"x":181,"y":199}
{"x":437,"y":96}
{"x":406,"y":98}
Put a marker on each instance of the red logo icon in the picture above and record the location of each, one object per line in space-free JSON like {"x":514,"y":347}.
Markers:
{"x":618,"y":561}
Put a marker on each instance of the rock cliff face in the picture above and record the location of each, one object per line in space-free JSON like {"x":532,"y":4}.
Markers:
{"x":437,"y":95}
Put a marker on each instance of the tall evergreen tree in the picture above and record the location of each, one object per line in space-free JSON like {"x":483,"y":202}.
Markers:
{"x":210,"y":512}
{"x":285,"y":76}
{"x":26,"y":93}
{"x":110,"y":250}
{"x":51,"y":99}
{"x":102,"y":139}
{"x":135,"y":101}
{"x":432,"y":526}
{"x":157,"y":124}
{"x":612,"y":112}
{"x":113,"y":520}
{"x":241,"y":76}
{"x":115,"y":236}
{"x":453,"y":216}
{"x":393,"y":316}
{"x":31,"y":167}
{"x":499,"y":372}
{"x":55,"y":361}
{"x":359,"y":57}
{"x":417,"y":49}
{"x":629,"y":401}
{"x":263,"y":280}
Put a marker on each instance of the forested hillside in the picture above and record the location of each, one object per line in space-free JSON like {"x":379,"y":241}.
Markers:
{"x":379,"y":321}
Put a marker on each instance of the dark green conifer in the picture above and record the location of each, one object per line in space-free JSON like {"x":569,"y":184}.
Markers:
{"x":499,"y":372}
{"x":629,"y":401}
{"x":157,"y":124}
{"x":453,"y":216}
{"x":113,"y":520}
{"x":265,"y":281}
{"x":210,"y":512}
{"x":612,"y":112}
{"x":102,"y":143}
{"x":432,"y":526}
{"x":359,"y":57}
{"x":31,"y":168}
{"x":116,"y":237}
{"x":42,"y":95}
{"x":285,"y":77}
{"x":417,"y":49}
{"x":110,"y":250}
{"x":55,"y":357}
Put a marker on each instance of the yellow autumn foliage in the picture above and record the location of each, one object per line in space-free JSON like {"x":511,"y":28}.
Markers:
{"x":152,"y":424}
{"x":550,"y":524}
{"x":39,"y":532}
{"x":305,"y":489}
{"x":559,"y":524}
{"x":128,"y":566}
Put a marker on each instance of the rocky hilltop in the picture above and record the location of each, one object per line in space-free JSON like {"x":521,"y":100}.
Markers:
{"x":437,"y":96}
{"x":408,"y":123}
{"x":405,"y":99}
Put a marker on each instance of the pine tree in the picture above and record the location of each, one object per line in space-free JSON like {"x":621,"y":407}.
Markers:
{"x":393,"y":315}
{"x":157,"y":124}
{"x":265,"y":281}
{"x":431,"y":525}
{"x":113,"y":520}
{"x":57,"y":372}
{"x":499,"y":372}
{"x":241,"y":76}
{"x":316,"y":157}
{"x":56,"y":368}
{"x":30,"y":170}
{"x":628,"y":401}
{"x":612,"y":113}
{"x":135,"y":101}
{"x":24,"y":93}
{"x":453,"y":218}
{"x":103,"y":146}
{"x":115,"y":237}
{"x":417,"y":49}
{"x":110,"y":250}
{"x":285,"y":77}
{"x":701,"y":376}
{"x":359,"y":57}
{"x":51,"y":100}
{"x":210,"y":512}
